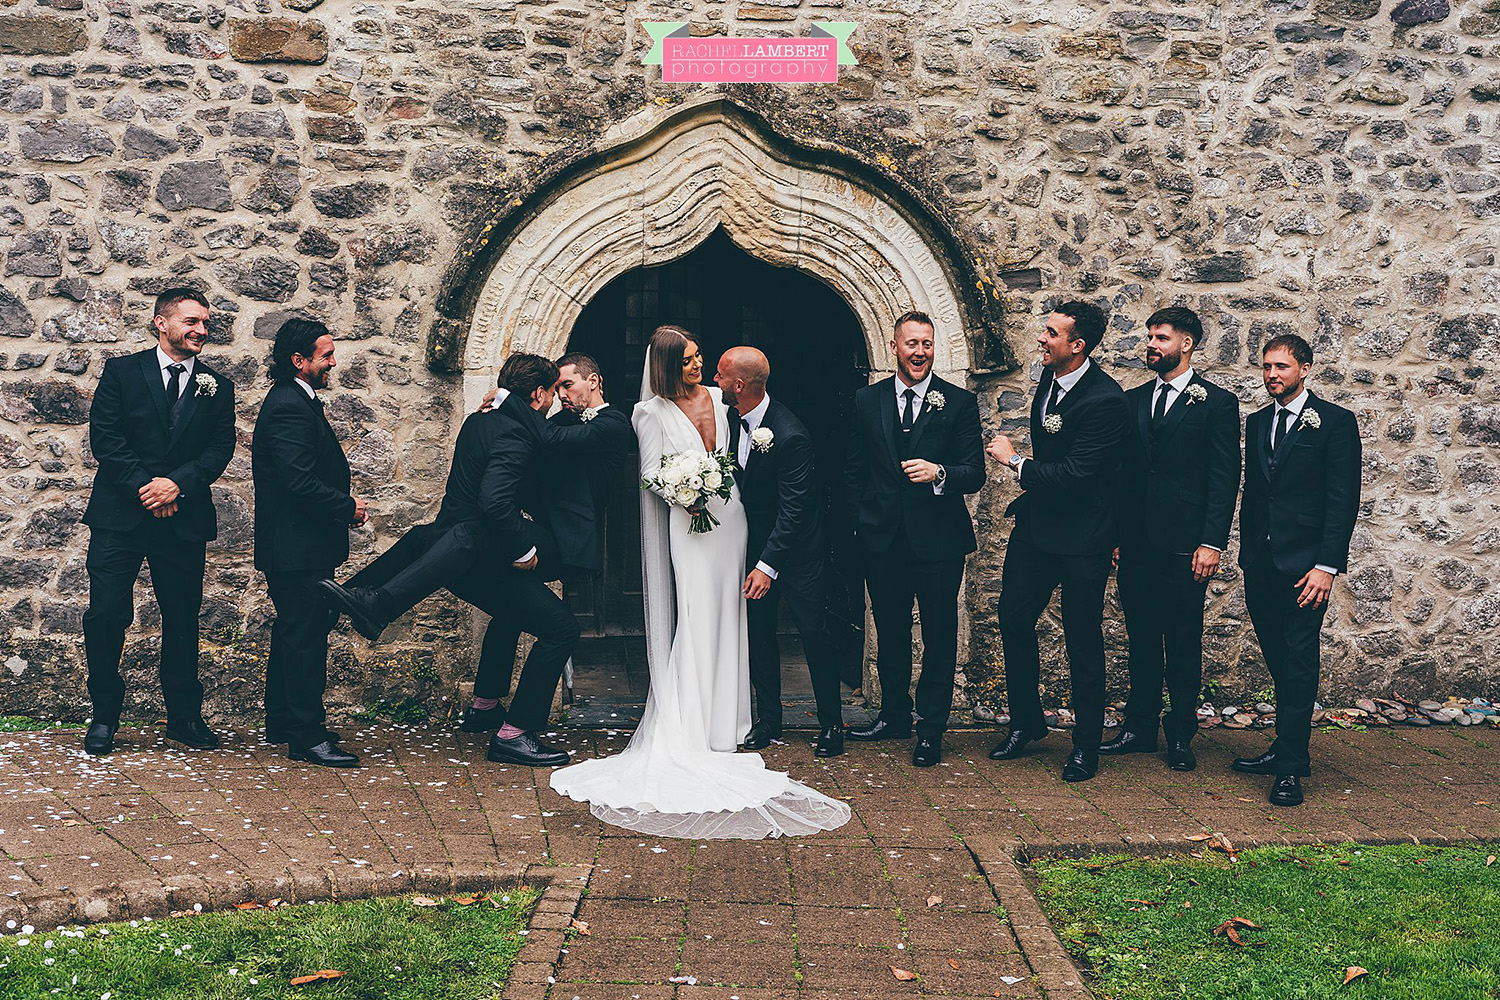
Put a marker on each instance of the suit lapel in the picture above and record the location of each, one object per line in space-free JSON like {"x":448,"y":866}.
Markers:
{"x":917,"y":427}
{"x":1284,"y":449}
{"x":1143,"y":415}
{"x":189,"y":407}
{"x":1175,"y":414}
{"x":155,"y":387}
{"x":1260,"y":440}
{"x":1080,"y":388}
{"x":886,"y":412}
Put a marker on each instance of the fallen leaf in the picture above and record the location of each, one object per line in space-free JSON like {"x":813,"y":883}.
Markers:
{"x":1143,"y":902}
{"x":465,"y":900}
{"x":274,"y":902}
{"x":1243,"y":799}
{"x":247,"y":906}
{"x":933,"y":901}
{"x":905,"y":975}
{"x":320,"y":974}
{"x":1352,"y":973}
{"x":70,"y":822}
{"x":1243,"y":922}
{"x":581,"y":926}
{"x":1200,"y":836}
{"x":1489,"y":860}
{"x":953,"y":963}
{"x":424,"y":901}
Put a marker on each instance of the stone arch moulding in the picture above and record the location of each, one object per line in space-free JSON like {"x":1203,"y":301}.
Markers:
{"x":658,"y":188}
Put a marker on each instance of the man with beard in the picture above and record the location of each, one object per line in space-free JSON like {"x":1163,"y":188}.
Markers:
{"x":303,"y":511}
{"x":162,"y":430}
{"x":1177,"y":490}
{"x":1065,"y":533}
{"x":1302,"y":469}
{"x":916,"y":451}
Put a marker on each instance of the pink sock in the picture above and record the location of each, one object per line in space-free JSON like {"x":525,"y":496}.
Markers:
{"x":485,"y":704}
{"x":509,"y":732}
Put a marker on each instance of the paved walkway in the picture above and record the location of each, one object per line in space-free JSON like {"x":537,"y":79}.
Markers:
{"x":922,"y":879}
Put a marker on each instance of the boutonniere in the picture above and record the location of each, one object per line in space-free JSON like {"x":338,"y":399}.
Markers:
{"x":588,"y":415}
{"x":1195,"y":393}
{"x":1052,"y":423}
{"x":761,"y":439}
{"x":1310,"y":418}
{"x":206,"y":384}
{"x":935,"y":400}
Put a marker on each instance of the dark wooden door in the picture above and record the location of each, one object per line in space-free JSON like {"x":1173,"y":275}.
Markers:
{"x":818,"y":360}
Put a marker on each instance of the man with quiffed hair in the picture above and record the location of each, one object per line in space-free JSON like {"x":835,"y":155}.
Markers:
{"x":161,"y":427}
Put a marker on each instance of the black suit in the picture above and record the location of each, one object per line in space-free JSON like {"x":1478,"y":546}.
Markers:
{"x":479,"y":531}
{"x":303,"y":510}
{"x":915,"y":539}
{"x":1177,"y":491}
{"x":1298,"y":512}
{"x":136,"y":436}
{"x":778,"y":490}
{"x":1065,"y":535}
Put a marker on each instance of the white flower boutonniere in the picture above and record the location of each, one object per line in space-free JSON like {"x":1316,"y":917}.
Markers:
{"x":1195,"y":393}
{"x":206,"y":384}
{"x":588,"y":415}
{"x":935,"y":400}
{"x":1311,"y":418}
{"x":1052,"y":423}
{"x":761,"y":439}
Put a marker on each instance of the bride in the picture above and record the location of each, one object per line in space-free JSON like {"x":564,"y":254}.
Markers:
{"x":680,"y":775}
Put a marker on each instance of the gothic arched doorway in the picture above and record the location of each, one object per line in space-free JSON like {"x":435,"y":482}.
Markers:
{"x":818,"y":360}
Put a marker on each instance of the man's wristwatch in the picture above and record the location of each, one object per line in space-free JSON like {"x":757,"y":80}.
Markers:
{"x":1015,"y":461}
{"x":942,"y":475}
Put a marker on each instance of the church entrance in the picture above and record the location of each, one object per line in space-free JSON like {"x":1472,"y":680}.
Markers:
{"x":818,"y":360}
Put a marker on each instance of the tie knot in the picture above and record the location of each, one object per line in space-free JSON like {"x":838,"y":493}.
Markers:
{"x":744,"y":423}
{"x":911,"y":394}
{"x":1167,"y":387}
{"x":176,"y":369}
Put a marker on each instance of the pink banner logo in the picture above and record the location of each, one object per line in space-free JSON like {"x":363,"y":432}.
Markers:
{"x":685,"y":59}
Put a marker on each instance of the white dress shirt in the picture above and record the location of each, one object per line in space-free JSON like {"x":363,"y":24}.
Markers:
{"x":163,"y":362}
{"x":1064,"y":385}
{"x":749,"y":424}
{"x":917,"y":404}
{"x":1295,"y":409}
{"x":302,"y":384}
{"x":1178,"y":384}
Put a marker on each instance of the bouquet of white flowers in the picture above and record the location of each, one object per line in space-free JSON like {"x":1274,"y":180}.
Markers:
{"x":688,"y":478}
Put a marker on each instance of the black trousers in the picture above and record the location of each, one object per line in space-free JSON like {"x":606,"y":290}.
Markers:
{"x":520,"y":601}
{"x":1028,"y":579}
{"x":802,"y":588}
{"x":113,"y":563}
{"x":1163,"y":608}
{"x":297,"y":669}
{"x":895,"y":578}
{"x":424,"y":567}
{"x":1290,"y":641}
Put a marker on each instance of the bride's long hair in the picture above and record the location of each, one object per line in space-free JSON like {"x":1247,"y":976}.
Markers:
{"x":664,"y":358}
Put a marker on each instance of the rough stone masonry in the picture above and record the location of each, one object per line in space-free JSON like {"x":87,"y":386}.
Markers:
{"x":1329,"y":167}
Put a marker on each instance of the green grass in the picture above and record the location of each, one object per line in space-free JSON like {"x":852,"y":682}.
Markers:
{"x":387,"y":948}
{"x":1422,"y":920}
{"x":25,"y":723}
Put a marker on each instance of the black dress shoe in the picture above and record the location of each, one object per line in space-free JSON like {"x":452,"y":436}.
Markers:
{"x":325,"y":754}
{"x":760,"y":736}
{"x":526,"y":750}
{"x":1015,"y":741}
{"x":1264,"y":764}
{"x":194,"y":733}
{"x":1129,"y":742}
{"x":881,"y":730}
{"x":361,"y":604}
{"x":927,"y":752}
{"x":1081,"y":766}
{"x":1180,"y":756}
{"x":100,"y":739}
{"x":482,"y":720}
{"x":830,"y":742}
{"x":277,"y":733}
{"x":1286,"y":790}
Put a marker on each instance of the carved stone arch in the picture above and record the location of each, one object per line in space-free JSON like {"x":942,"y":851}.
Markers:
{"x":661,"y":182}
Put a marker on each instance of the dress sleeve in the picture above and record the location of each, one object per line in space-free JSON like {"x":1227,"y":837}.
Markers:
{"x":648,"y":434}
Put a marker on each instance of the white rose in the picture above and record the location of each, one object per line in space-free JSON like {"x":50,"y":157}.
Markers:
{"x":695,"y":482}
{"x":686,"y":496}
{"x":713,"y":480}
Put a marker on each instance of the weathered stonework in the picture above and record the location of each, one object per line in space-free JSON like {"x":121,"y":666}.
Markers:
{"x":1328,"y":168}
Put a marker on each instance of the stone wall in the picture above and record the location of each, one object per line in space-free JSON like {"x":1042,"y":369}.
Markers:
{"x":1326,"y":168}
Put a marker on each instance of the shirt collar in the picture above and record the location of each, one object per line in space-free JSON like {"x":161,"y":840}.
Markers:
{"x":1295,"y":406}
{"x":1069,"y":380}
{"x":311,"y":392}
{"x":755,"y":416}
{"x":596,"y":409}
{"x":162,"y":362}
{"x":920,"y":388}
{"x":1178,"y":384}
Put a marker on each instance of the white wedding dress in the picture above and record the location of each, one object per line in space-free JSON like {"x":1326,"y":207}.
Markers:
{"x":680,"y":775}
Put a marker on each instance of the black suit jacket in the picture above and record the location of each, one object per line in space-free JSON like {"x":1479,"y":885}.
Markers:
{"x":779,"y":490}
{"x":884,"y":499}
{"x":1072,"y":480}
{"x":1307,"y":500}
{"x":570,"y":494}
{"x":491,"y":459}
{"x":303,"y":508}
{"x":1177,"y":491}
{"x":130,"y":439}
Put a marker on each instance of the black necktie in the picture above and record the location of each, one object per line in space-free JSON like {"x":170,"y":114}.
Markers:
{"x":1161,"y":404}
{"x":909,"y":415}
{"x":1054,"y":396}
{"x":174,"y":392}
{"x":1278,"y":435}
